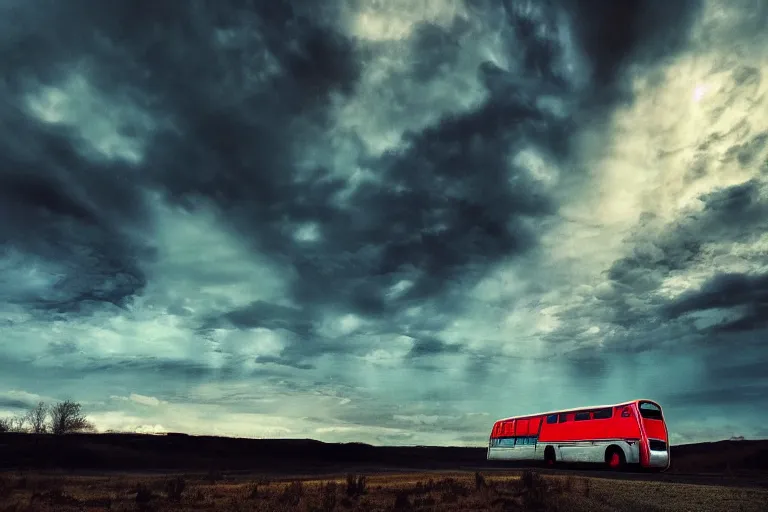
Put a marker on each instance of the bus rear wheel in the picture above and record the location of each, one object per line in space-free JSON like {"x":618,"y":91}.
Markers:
{"x":549,"y":457}
{"x":615,"y":459}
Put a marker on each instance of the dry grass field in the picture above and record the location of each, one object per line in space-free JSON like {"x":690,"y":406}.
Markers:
{"x":447,"y":491}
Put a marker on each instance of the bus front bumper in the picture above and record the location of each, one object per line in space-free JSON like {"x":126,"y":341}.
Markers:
{"x":658,"y":459}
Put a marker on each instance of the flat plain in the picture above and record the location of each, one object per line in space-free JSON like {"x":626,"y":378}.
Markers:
{"x":178,"y":472}
{"x":438,"y":491}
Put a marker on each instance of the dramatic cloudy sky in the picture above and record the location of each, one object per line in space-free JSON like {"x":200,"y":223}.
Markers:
{"x":388,"y":221}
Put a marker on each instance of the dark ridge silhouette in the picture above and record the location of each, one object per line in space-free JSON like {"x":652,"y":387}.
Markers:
{"x":178,"y":451}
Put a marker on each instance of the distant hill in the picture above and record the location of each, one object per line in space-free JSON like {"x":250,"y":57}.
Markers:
{"x":175,"y":451}
{"x":721,"y":456}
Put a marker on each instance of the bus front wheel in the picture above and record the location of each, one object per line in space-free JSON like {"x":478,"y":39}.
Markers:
{"x":614,"y":458}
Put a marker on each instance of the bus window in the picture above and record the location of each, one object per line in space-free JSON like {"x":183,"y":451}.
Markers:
{"x":552,"y":418}
{"x":603,"y":414}
{"x":563,"y":418}
{"x":581,"y":416}
{"x":650,"y":410}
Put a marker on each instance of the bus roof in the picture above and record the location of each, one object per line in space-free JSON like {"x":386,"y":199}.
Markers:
{"x":576,"y":409}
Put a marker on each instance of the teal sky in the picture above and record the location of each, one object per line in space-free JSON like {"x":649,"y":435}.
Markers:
{"x":388,"y":222}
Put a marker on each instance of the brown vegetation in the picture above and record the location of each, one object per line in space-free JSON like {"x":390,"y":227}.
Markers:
{"x":510,"y":491}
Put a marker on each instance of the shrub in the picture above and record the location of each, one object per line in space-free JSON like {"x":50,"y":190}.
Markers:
{"x":214,"y":475}
{"x":355,"y":485}
{"x":401,"y":501}
{"x":587,"y":488}
{"x":328,"y":496}
{"x":292,"y":493}
{"x":479,"y":481}
{"x":174,"y":488}
{"x":534,"y":489}
{"x":424,"y":501}
{"x":449,"y":497}
{"x":143,"y":494}
{"x":5,"y":487}
{"x":198,"y":495}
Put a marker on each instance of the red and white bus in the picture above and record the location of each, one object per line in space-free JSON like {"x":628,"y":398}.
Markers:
{"x":630,"y":433}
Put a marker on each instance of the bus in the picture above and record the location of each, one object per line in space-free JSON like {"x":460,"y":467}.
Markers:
{"x":617,"y":436}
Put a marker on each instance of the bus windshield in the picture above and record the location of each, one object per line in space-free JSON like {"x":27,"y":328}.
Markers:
{"x":650,"y":411}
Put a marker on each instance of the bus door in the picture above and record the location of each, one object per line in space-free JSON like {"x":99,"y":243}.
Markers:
{"x":535,"y":428}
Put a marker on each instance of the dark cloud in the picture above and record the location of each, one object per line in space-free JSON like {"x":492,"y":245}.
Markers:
{"x":436,"y":49}
{"x":416,"y":419}
{"x":76,"y":208}
{"x":62,"y":348}
{"x":734,"y":212}
{"x":70,"y":214}
{"x":13,"y":403}
{"x":426,"y":347}
{"x":263,"y":314}
{"x":725,"y":291}
{"x":746,"y":153}
{"x":451,"y":205}
{"x":179,"y":369}
{"x":447,"y":204}
{"x":752,"y":371}
{"x":587,"y":369}
{"x":729,"y":215}
{"x":282,"y":361}
{"x":744,"y":395}
{"x":618,"y":35}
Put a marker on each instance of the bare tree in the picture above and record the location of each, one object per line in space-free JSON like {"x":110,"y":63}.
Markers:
{"x":67,"y":418}
{"x":14,"y":424}
{"x":37,"y":417}
{"x":19,"y":424}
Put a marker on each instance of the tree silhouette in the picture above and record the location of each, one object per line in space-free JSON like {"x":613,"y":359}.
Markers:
{"x":14,"y":424}
{"x":66,"y":418}
{"x":37,"y":417}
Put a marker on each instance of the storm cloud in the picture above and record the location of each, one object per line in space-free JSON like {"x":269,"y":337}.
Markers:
{"x":322,"y":217}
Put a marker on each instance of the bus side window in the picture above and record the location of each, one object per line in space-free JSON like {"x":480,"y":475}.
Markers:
{"x":581,"y":416}
{"x":603,"y":414}
{"x":552,"y":418}
{"x":563,"y":418}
